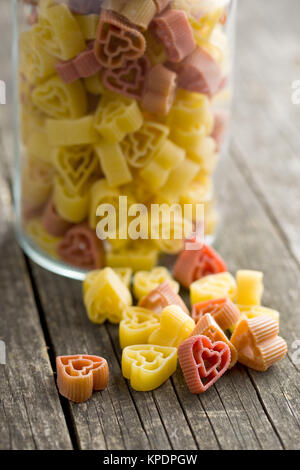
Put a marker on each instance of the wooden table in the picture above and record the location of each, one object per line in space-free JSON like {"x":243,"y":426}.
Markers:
{"x":42,"y":315}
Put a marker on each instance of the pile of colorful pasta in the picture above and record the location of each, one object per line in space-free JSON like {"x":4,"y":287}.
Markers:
{"x":118,"y":98}
{"x":227,"y":324}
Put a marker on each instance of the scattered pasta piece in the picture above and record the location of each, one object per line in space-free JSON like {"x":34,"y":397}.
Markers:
{"x":224,"y":312}
{"x":192,"y":265}
{"x":136,"y":326}
{"x":202,"y":362}
{"x":162,"y":296}
{"x":79,"y":375}
{"x":249,"y":287}
{"x":148,"y":366}
{"x":145,"y":281}
{"x":175,"y":327}
{"x":258,"y":343}
{"x":106,"y":297}
{"x":207,"y":326}
{"x":212,"y":287}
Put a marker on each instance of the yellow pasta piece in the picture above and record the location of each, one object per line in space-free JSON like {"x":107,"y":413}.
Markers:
{"x":249,"y":287}
{"x":198,"y":192}
{"x":88,"y":25}
{"x":179,"y":180}
{"x":155,"y":50}
{"x":215,"y":286}
{"x":70,"y":205}
{"x":58,"y":32}
{"x":37,"y":145}
{"x":175,"y":327}
{"x":205,"y":154}
{"x":106,"y":298}
{"x":35,"y":63}
{"x":204,"y":26}
{"x":60,"y":100}
{"x":148,"y":366}
{"x":252,"y":311}
{"x":188,"y":139}
{"x":157,"y":171}
{"x":145,"y":281}
{"x":140,"y":146}
{"x":138,"y":190}
{"x":211,"y":218}
{"x":190,"y":110}
{"x":101,"y":193}
{"x":65,"y":132}
{"x":116,"y":117}
{"x":168,"y":236}
{"x":113,"y":163}
{"x":123,"y":273}
{"x":136,"y":326}
{"x":75,"y":165}
{"x":37,"y":182}
{"x":43,"y":239}
{"x":94,"y":85}
{"x":137,"y":256}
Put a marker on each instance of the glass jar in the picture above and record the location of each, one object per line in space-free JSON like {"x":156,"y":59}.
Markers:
{"x":121,"y":106}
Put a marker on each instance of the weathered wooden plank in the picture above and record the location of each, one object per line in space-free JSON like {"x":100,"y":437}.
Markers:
{"x":30,"y":411}
{"x":111,"y":419}
{"x":268,"y":62}
{"x":166,"y":405}
{"x":248,"y":240}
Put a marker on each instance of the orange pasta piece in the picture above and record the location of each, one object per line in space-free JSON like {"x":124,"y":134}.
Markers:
{"x":258,"y":343}
{"x":192,"y":265}
{"x":79,"y":375}
{"x":224,"y":312}
{"x":160,"y":89}
{"x":162,"y":296}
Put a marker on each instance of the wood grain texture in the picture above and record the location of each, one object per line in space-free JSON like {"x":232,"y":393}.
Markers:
{"x":258,"y":187}
{"x":31,"y":415}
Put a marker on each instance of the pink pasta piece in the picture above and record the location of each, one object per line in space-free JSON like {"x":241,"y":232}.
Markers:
{"x":173,"y":29}
{"x":67,"y":71}
{"x":86,"y":63}
{"x":160,"y":89}
{"x":83,"y":65}
{"x":53,"y":223}
{"x":128,"y":80}
{"x":161,"y":5}
{"x":192,"y":265}
{"x":117,"y":41}
{"x":199,"y":72}
{"x":221,"y":120}
{"x":81,"y":247}
{"x":203,"y":362}
{"x":85,"y":7}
